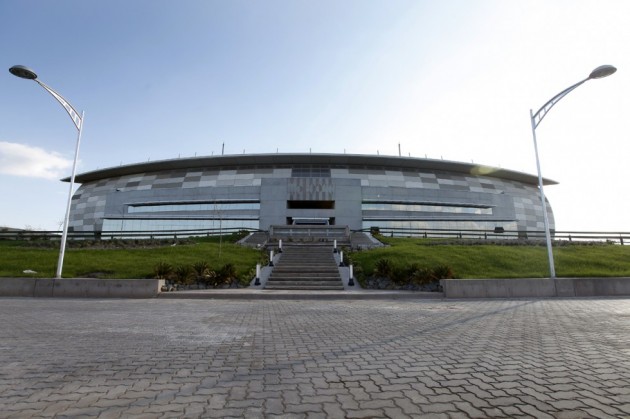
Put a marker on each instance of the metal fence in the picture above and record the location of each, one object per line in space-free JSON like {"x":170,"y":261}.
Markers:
{"x":113,"y":235}
{"x":500,"y":234}
{"x":622,"y":238}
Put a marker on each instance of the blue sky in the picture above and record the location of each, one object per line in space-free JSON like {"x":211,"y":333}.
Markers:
{"x":444,"y":79}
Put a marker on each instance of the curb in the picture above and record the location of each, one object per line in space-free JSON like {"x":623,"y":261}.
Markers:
{"x":300,"y":295}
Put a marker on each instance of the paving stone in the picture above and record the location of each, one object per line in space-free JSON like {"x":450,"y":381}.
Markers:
{"x":244,"y":403}
{"x":511,"y":411}
{"x":407,"y":406}
{"x":493,"y":412}
{"x":365,"y":413}
{"x":314,"y":358}
{"x":303,"y":408}
{"x":274,"y":406}
{"x":376,"y":404}
{"x":224,"y":413}
{"x":595,"y":413}
{"x":394,"y":412}
{"x":438,"y":407}
{"x":171,"y":409}
{"x":613,"y":410}
{"x":333,"y":410}
{"x":347,"y":402}
{"x":503,"y":401}
{"x":194,"y":410}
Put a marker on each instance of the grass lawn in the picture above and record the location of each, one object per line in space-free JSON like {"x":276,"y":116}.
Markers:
{"x":501,"y":261}
{"x":124,"y":263}
{"x":466,"y":261}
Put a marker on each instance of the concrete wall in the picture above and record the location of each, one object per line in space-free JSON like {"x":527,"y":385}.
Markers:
{"x":80,"y":287}
{"x":536,"y":287}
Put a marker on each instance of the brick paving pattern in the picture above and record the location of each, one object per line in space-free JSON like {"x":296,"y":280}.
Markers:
{"x":314,"y":359}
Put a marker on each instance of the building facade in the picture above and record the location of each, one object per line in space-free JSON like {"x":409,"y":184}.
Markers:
{"x":257,"y":191}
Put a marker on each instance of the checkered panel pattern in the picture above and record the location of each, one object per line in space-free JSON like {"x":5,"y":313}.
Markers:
{"x":89,"y":202}
{"x":311,"y":189}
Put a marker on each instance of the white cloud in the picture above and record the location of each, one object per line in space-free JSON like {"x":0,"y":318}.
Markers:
{"x":24,"y":160}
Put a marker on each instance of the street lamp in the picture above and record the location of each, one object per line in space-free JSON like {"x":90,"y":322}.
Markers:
{"x":28,"y":74}
{"x":536,"y":118}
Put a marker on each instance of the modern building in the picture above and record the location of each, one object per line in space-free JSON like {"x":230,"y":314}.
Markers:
{"x":256,"y":191}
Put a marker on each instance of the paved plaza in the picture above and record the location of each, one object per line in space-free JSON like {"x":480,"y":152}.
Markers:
{"x":563,"y":358}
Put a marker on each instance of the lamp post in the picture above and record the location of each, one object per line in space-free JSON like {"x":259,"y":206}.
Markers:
{"x":28,"y":74}
{"x":536,"y":118}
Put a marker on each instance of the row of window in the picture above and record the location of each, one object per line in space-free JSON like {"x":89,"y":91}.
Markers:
{"x":155,"y":225}
{"x":439,"y":225}
{"x":191,"y":207}
{"x":166,"y":224}
{"x":310,"y":171}
{"x":366,"y":206}
{"x":374,"y":206}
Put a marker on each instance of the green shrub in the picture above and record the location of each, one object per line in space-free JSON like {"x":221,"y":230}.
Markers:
{"x":246,"y":278}
{"x":162,"y":270}
{"x":383,"y":268}
{"x":200,"y":269}
{"x":399,"y":276}
{"x":443,"y":272}
{"x":413,"y":267}
{"x":183,"y":274}
{"x":226,"y":275}
{"x":203,"y":274}
{"x":423,"y":276}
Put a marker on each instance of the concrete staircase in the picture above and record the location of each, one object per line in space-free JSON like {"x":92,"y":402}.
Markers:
{"x":304,"y":267}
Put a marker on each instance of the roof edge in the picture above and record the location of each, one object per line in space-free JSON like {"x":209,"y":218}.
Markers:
{"x":241,"y":160}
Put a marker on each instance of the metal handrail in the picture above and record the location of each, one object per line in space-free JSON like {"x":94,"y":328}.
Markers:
{"x":105,"y":235}
{"x":611,"y":236}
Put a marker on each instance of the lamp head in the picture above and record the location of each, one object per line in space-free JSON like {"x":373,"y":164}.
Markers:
{"x":23,"y":72}
{"x":602,"y":71}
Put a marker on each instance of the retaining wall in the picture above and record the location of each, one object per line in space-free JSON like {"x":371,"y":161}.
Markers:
{"x":536,"y":287}
{"x":453,"y":288}
{"x":80,"y":287}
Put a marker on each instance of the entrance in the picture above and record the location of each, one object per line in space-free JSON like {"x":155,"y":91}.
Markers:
{"x":312,"y":221}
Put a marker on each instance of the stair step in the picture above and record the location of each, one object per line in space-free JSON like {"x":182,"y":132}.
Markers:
{"x":311,"y":268}
{"x":305,"y":275}
{"x":313,"y":281}
{"x":305,"y":268}
{"x":309,"y":280}
{"x":305,"y":288}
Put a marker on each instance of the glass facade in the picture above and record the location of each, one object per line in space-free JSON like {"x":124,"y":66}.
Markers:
{"x":310,"y":171}
{"x":208,"y":215}
{"x":157,"y":225}
{"x":410,"y":218}
{"x":192,"y":207}
{"x":403,"y":225}
{"x":425,"y":208}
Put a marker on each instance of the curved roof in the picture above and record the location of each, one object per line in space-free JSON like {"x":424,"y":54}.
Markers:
{"x":291,"y":159}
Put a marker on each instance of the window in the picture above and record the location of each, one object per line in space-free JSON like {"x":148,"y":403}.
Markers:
{"x":427,"y":208}
{"x":196,"y":206}
{"x":156,"y":225}
{"x":310,"y":171}
{"x":311,"y":204}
